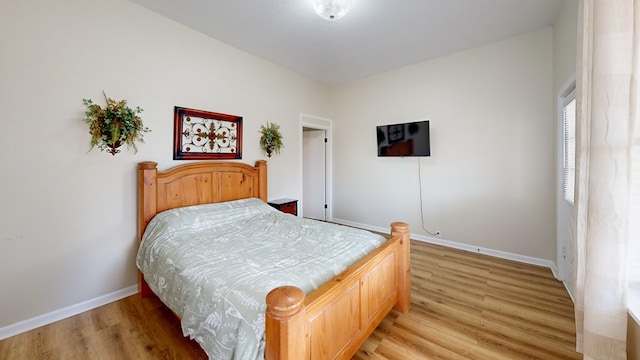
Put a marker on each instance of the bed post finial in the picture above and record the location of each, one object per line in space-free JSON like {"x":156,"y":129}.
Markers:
{"x":404,"y":301}
{"x":147,"y":165}
{"x":284,"y":324}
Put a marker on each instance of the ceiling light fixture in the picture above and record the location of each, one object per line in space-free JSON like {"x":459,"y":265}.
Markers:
{"x":331,"y":10}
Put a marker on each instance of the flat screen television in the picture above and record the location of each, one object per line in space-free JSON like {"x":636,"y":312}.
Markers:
{"x":406,"y":139}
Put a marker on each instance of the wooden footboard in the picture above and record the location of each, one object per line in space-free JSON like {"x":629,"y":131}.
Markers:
{"x":335,"y":320}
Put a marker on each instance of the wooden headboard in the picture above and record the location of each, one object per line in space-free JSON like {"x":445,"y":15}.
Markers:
{"x":195,"y":184}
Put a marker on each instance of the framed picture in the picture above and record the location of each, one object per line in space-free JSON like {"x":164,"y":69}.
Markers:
{"x":396,"y":133}
{"x":205,"y":135}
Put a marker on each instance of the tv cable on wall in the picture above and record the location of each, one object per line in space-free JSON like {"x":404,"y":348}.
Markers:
{"x":436,"y":233}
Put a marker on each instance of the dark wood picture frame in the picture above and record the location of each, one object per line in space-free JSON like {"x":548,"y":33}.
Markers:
{"x":206,"y":135}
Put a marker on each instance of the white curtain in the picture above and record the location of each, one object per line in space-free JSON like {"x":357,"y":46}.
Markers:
{"x":607,"y":90}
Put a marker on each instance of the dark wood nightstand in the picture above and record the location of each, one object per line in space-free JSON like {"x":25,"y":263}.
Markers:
{"x":289,"y":206}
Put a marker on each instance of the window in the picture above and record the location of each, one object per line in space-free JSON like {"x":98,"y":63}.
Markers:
{"x":569,"y":146}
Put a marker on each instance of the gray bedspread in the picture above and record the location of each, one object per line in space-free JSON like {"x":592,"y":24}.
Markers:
{"x":214,"y":265}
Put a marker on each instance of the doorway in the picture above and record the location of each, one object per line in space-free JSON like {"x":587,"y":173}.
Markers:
{"x":315,"y":159}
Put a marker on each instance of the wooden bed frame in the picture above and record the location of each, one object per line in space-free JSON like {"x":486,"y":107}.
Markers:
{"x":331,"y":322}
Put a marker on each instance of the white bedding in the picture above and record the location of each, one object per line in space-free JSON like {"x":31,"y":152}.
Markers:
{"x":214,"y":265}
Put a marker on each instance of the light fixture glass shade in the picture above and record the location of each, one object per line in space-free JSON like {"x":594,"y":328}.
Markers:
{"x":331,"y":10}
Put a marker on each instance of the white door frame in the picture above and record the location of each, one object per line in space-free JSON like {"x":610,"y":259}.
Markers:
{"x":318,"y":123}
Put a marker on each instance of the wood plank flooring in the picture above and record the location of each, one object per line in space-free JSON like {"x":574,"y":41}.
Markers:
{"x":464,"y":306}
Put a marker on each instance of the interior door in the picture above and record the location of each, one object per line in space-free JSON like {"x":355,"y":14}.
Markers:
{"x":314,"y":173}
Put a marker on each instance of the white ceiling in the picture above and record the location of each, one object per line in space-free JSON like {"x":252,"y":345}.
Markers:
{"x":375,"y":36}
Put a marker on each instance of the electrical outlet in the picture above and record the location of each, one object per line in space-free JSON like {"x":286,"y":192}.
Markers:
{"x":438,"y":233}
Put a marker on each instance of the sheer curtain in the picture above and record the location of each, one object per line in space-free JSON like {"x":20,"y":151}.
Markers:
{"x":607,"y":90}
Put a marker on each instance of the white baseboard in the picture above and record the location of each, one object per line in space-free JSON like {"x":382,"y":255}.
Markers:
{"x":45,"y":319}
{"x":456,"y":245}
{"x":634,"y":303}
{"x":573,"y":300}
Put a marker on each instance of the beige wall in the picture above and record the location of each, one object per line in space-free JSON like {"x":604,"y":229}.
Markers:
{"x":565,"y":42}
{"x":490,"y":179}
{"x":67,"y":227}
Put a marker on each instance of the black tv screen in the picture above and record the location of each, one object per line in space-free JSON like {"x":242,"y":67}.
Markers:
{"x":406,"y":139}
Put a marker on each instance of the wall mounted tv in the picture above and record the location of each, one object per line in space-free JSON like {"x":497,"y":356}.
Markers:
{"x":406,"y":139}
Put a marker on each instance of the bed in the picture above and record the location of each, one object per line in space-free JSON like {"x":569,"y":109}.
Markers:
{"x":329,"y":322}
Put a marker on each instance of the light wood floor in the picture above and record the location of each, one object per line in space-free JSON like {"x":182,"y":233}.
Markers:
{"x":464,"y":306}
